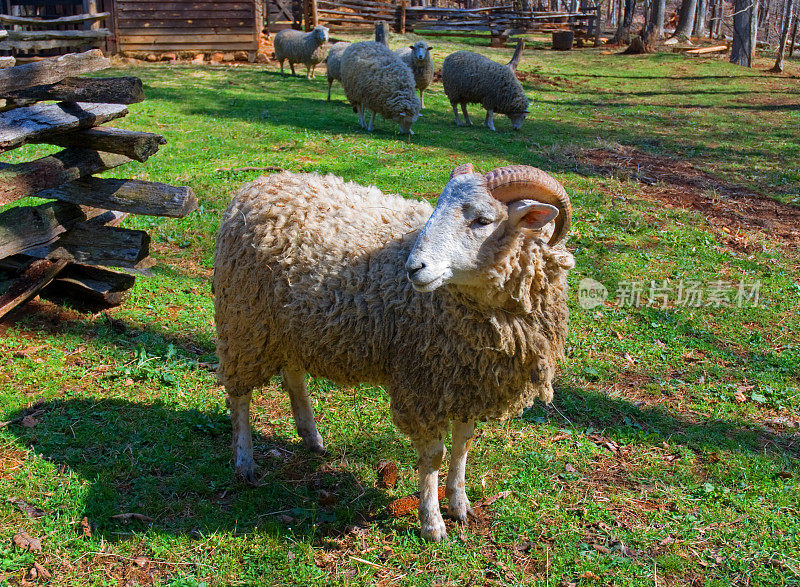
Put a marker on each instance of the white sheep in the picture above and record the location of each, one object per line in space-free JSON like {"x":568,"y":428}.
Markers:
{"x":299,"y":47}
{"x":460,"y":312}
{"x":375,"y":79}
{"x":470,"y":77}
{"x":418,"y":58}
{"x":334,"y":64}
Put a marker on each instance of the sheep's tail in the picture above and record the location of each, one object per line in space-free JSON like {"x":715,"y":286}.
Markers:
{"x":517,"y":55}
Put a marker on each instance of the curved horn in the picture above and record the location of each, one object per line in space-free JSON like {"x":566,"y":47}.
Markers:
{"x":462,"y":169}
{"x":517,"y":182}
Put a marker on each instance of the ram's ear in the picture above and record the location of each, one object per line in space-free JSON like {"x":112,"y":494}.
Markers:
{"x":531,"y":214}
{"x":411,"y":46}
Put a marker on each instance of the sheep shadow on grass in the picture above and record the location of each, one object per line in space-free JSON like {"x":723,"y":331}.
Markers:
{"x":173,"y":465}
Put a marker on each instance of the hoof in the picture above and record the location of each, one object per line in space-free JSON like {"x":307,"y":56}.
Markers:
{"x":435,"y":532}
{"x":460,"y":514}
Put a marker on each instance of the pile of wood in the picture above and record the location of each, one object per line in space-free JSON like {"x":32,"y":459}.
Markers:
{"x":22,"y":38}
{"x":357,"y":14}
{"x":65,"y":246}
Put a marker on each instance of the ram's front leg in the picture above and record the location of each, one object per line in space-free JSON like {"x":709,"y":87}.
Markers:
{"x":459,"y":506}
{"x":489,"y":122}
{"x":431,"y":452}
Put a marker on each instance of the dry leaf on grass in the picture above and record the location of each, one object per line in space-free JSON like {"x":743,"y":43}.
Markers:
{"x":37,"y":571}
{"x":32,"y":511}
{"x":141,"y":561}
{"x":590,"y":575}
{"x":406,"y":505}
{"x":26,"y":542}
{"x":29,"y":422}
{"x":86,"y":527}
{"x":570,"y":469}
{"x":492,"y":498}
{"x":132,"y":516}
{"x":327,"y":498}
{"x":387,"y":474}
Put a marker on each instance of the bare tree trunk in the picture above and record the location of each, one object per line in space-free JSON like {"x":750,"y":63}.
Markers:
{"x":654,"y":30}
{"x":787,"y":21}
{"x":700,"y":18}
{"x":686,"y":19}
{"x":623,"y":34}
{"x":745,"y":29}
{"x":794,"y":35}
{"x":719,"y":16}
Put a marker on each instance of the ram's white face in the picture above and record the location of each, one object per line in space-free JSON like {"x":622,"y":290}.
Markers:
{"x":457,"y":242}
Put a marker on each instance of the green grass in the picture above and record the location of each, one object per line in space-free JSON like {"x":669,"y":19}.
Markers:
{"x":645,"y":468}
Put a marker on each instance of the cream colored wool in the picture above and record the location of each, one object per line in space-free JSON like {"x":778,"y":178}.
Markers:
{"x":373,"y":77}
{"x":309,"y":272}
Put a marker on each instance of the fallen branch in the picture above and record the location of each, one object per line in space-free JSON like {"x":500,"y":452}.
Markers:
{"x":238,"y":169}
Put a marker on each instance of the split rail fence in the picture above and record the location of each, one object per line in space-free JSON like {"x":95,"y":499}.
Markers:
{"x":67,"y":245}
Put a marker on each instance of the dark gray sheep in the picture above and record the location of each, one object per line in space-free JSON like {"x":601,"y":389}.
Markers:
{"x":298,"y":47}
{"x":470,"y":78}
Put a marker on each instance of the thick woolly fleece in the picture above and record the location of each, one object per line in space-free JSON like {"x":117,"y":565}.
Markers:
{"x":299,"y":47}
{"x":334,"y":61}
{"x":422,"y":71}
{"x":374,"y":76}
{"x":470,"y":77}
{"x":309,"y":273}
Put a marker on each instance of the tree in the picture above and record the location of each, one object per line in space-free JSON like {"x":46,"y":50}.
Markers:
{"x":623,"y":34}
{"x":686,"y":19}
{"x":788,"y":11}
{"x":700,"y":18}
{"x":655,"y":24}
{"x":745,"y":28}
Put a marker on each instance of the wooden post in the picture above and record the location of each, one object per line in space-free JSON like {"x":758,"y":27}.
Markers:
{"x":403,"y":17}
{"x":312,"y":17}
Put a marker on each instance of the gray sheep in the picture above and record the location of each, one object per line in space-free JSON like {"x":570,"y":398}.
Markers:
{"x":418,"y":58}
{"x":469,"y":78}
{"x":334,"y":63}
{"x":298,"y":47}
{"x":375,"y":79}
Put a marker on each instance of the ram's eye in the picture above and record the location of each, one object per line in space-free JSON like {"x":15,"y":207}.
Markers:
{"x":482,"y":221}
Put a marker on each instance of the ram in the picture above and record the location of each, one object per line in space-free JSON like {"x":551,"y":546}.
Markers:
{"x":298,"y":47}
{"x":460,"y":311}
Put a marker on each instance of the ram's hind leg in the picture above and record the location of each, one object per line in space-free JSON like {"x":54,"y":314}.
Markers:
{"x":238,"y":402}
{"x":294,"y":382}
{"x":431,"y":452}
{"x":459,"y":506}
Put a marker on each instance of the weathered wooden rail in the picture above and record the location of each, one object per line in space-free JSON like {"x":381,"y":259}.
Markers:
{"x":67,"y":245}
{"x":52,"y":37}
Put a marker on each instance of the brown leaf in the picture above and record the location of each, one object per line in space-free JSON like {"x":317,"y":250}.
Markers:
{"x":387,"y":474}
{"x":524,"y":546}
{"x":141,"y":561}
{"x":406,"y":505}
{"x":26,"y":542}
{"x":739,"y":397}
{"x":29,"y":421}
{"x":713,"y":457}
{"x":41,"y":571}
{"x":602,"y":549}
{"x":86,"y":527}
{"x":327,"y":498}
{"x":132,"y":516}
{"x":570,"y":469}
{"x":491,"y":499}
{"x":785,"y":475}
{"x":32,"y":511}
{"x":560,"y":437}
{"x":590,"y":575}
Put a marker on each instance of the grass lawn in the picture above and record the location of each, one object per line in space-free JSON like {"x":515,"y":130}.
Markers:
{"x":669,"y":457}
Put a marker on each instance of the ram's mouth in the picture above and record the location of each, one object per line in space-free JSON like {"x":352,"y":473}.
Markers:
{"x":427,"y":286}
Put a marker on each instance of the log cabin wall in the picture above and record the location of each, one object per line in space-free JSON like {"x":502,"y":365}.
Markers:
{"x":186,"y":25}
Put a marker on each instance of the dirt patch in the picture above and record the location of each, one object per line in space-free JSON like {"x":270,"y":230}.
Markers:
{"x":678,"y":184}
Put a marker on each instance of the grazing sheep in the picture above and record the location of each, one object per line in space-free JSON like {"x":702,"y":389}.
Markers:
{"x":334,"y":64}
{"x":460,"y":312}
{"x":418,"y":58}
{"x":298,"y":47}
{"x":374,"y":78}
{"x":469,"y":77}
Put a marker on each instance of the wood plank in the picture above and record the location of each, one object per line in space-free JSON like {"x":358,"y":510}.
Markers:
{"x":136,"y":145}
{"x":44,"y":45}
{"x":100,"y":245}
{"x":26,"y":227}
{"x":97,"y":285}
{"x":114,"y":90}
{"x":128,"y":195}
{"x":52,"y":70}
{"x":32,"y":281}
{"x":57,"y":35}
{"x":35,"y":21}
{"x":156,"y":32}
{"x":19,"y":180}
{"x":23,"y":125}
{"x":187,"y":37}
{"x":214,"y":24}
{"x":704,"y":50}
{"x":199,"y":47}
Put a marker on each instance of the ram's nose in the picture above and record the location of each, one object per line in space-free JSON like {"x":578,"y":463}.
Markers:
{"x":413,"y":267}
